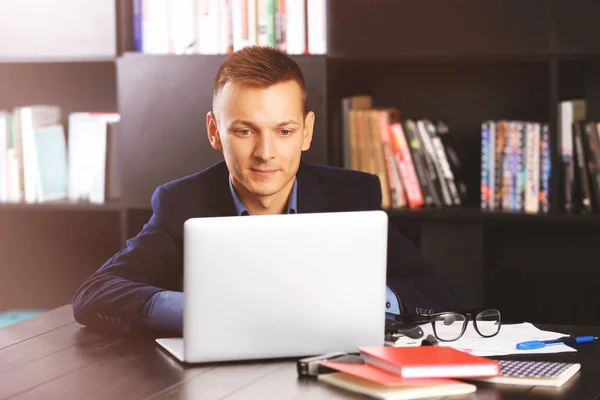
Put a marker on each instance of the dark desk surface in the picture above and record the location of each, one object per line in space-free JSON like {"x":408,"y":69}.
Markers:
{"x":52,"y":357}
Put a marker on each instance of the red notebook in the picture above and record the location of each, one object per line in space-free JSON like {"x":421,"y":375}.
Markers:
{"x":383,"y":377}
{"x":429,"y":362}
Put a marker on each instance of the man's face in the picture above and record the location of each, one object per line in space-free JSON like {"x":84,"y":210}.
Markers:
{"x":262,"y":133}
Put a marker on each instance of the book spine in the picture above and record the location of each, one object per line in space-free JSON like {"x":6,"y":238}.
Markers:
{"x":252,"y":23}
{"x":296,"y":26}
{"x":224,"y":27}
{"x":317,"y":27}
{"x":4,"y":140}
{"x":581,"y":175}
{"x":510,"y":168}
{"x":406,"y":166}
{"x":422,"y":165}
{"x":270,"y":14}
{"x":280,"y":25}
{"x":532,"y":168}
{"x":433,"y":165}
{"x":499,"y":161}
{"x":521,"y":169}
{"x":182,"y":29}
{"x":444,"y":134}
{"x":486,"y":181}
{"x":345,"y":137}
{"x":545,"y":167}
{"x":396,"y":188}
{"x":445,"y":169}
{"x":137,"y":25}
{"x":378,"y":158}
{"x":592,"y":143}
{"x":239,"y":24}
{"x":566,"y":116}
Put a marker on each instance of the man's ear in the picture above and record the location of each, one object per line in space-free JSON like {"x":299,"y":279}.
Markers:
{"x":309,"y":123}
{"x":213,"y":132}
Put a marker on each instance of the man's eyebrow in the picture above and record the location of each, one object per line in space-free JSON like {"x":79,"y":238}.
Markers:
{"x":252,"y":125}
{"x":242,"y":122}
{"x":289,"y":122}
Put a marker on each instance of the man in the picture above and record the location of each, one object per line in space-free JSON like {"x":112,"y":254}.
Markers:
{"x":260,"y":123}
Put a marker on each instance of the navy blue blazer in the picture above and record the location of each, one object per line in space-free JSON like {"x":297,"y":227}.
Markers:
{"x":114,"y":296}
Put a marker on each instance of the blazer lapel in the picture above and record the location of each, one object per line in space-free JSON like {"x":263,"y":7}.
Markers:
{"x":312,"y":194}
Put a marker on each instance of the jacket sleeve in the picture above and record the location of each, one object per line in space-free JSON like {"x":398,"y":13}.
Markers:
{"x":414,"y":279}
{"x":114,"y":296}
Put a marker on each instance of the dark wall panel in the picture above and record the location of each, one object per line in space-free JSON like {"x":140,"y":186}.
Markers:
{"x":576,"y":26}
{"x":409,"y":28}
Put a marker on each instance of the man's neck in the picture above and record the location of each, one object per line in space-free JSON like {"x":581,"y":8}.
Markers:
{"x":264,"y":205}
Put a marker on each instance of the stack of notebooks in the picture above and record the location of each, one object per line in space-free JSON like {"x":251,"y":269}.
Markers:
{"x":430,"y":371}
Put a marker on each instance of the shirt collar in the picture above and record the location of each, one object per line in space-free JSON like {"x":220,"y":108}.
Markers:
{"x":240,"y":208}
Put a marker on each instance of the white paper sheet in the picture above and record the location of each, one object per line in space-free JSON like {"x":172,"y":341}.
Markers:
{"x":505,"y":342}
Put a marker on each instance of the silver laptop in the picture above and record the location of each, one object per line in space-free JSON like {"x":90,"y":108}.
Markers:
{"x":279,"y":286}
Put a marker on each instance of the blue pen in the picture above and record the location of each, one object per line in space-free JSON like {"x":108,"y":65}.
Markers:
{"x":538,"y":344}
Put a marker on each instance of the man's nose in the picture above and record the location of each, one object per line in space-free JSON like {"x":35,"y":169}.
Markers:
{"x":265,"y":148}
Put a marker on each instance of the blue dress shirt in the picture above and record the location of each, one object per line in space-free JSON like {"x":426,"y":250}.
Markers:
{"x":165,"y":308}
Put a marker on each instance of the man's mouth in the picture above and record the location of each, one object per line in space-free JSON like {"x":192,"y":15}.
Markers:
{"x":263,"y":173}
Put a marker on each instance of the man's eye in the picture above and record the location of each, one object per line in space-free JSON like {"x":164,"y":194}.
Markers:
{"x":285,"y":132}
{"x":245,"y":132}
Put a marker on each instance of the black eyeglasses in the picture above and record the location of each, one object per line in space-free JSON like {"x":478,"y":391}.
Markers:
{"x":451,"y":325}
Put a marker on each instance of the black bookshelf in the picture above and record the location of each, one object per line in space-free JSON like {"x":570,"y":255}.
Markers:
{"x":463,"y":61}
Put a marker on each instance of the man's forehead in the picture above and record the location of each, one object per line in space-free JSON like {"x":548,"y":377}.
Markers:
{"x":231,"y":89}
{"x":231,"y":92}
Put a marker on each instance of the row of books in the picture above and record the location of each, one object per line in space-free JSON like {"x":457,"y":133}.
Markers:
{"x":415,"y":160}
{"x":223,"y":26}
{"x":580,"y":158}
{"x":41,"y":161}
{"x":515,"y":166}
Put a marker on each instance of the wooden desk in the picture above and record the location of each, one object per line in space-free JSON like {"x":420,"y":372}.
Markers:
{"x":52,"y":357}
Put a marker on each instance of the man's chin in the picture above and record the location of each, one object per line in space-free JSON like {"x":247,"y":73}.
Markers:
{"x":263,"y":191}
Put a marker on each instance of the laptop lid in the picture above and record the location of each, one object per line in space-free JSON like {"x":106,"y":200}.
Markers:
{"x":283,"y":285}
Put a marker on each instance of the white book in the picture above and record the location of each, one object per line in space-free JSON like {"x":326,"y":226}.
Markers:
{"x":492,"y":165}
{"x":262,"y":22}
{"x":532,"y":170}
{"x":239,"y":24}
{"x":252,"y":22}
{"x":181,"y":26}
{"x":295,"y":14}
{"x":4,"y":139}
{"x":51,"y":154}
{"x":12,"y":177}
{"x":207,"y":20}
{"x":224,"y":29}
{"x":155,"y":26}
{"x":569,"y":112}
{"x":317,"y":26}
{"x":88,"y":146}
{"x":30,"y":119}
